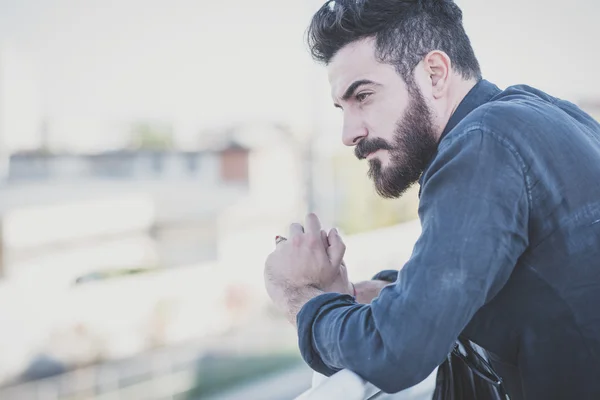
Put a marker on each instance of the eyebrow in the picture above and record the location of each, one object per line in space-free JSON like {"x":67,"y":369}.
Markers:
{"x":352,"y":88}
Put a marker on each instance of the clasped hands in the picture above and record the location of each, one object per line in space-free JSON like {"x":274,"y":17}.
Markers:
{"x":309,"y":263}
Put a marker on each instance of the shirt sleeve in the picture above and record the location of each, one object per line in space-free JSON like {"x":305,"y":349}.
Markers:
{"x":388,"y":275}
{"x":474,"y":212}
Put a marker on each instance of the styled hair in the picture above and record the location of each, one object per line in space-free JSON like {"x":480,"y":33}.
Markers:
{"x":404,"y":32}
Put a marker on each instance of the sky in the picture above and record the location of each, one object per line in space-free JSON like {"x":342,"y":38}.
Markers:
{"x":135,"y":58}
{"x":214,"y":62}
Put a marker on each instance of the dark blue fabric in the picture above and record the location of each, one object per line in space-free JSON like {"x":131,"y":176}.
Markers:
{"x":509,"y":256}
{"x":388,"y":275}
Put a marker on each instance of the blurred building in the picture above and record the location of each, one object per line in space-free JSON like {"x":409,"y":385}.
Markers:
{"x":207,"y":167}
{"x":200,"y":198}
{"x":201,"y":219}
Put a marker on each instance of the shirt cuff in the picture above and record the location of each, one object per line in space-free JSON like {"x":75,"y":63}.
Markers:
{"x":389,"y":275}
{"x":305,"y":320}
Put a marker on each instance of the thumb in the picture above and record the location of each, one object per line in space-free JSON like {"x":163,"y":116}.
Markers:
{"x":337,"y":248}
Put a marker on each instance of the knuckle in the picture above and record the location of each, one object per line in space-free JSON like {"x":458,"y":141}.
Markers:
{"x":313,"y":240}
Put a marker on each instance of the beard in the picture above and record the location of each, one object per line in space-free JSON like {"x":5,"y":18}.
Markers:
{"x":414,"y":145}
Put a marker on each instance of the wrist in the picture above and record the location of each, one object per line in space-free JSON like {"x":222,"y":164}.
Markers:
{"x":298,"y":298}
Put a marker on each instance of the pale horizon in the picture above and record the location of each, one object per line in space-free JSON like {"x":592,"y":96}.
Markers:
{"x":211,"y":63}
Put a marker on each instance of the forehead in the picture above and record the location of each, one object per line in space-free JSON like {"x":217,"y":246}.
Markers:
{"x":357,"y":61}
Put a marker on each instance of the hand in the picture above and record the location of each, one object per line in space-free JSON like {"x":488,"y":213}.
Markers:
{"x":307,"y":264}
{"x":366,"y":291}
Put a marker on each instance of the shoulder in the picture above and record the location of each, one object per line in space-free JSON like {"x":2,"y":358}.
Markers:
{"x":507,"y":118}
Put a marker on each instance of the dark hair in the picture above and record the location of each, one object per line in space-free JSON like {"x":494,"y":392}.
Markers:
{"x":404,"y":32}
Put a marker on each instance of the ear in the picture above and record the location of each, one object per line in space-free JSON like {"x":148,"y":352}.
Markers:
{"x":438,"y":65}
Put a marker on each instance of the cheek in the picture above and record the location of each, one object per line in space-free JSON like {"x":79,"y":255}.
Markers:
{"x":382,"y":122}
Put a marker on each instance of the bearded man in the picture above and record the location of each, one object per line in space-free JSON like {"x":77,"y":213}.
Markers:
{"x":509,"y":252}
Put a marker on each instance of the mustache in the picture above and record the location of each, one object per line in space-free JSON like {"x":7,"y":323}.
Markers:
{"x":368,"y":146}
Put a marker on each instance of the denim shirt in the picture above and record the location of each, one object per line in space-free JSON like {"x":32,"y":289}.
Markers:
{"x":508,"y":256}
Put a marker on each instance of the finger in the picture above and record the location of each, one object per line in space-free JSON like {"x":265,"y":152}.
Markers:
{"x":337,"y":247}
{"x":324,"y":239}
{"x":295,"y":230}
{"x":313,"y":225}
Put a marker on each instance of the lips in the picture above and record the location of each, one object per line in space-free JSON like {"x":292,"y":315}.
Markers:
{"x":366,"y":148}
{"x":370,"y":155}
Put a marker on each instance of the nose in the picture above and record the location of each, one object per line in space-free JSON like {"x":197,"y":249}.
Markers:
{"x":353,"y":130}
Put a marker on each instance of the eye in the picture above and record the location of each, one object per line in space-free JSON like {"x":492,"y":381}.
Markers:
{"x":360,"y":97}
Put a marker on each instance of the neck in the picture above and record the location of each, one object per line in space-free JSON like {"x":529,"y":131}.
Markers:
{"x":459,"y":90}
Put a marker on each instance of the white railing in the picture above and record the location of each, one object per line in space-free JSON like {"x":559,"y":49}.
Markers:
{"x":342,"y":385}
{"x":346,"y":385}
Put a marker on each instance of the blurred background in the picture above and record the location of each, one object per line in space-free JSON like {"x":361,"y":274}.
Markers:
{"x":149,"y":153}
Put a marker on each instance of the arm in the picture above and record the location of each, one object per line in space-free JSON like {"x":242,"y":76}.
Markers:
{"x":474,"y":213}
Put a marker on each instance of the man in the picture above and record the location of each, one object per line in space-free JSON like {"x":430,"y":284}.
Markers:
{"x":509,"y":253}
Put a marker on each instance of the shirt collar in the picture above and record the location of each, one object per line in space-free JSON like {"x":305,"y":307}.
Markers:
{"x":481,"y":93}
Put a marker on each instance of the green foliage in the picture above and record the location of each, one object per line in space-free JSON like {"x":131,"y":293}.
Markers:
{"x":359,"y":207}
{"x":151,"y":136}
{"x":105,"y":274}
{"x":219,"y":373}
